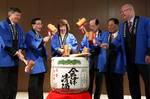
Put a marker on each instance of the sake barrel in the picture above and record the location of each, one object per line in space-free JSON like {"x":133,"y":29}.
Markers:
{"x":69,"y":74}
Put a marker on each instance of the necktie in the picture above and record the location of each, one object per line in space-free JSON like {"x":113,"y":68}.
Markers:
{"x":15,"y":31}
{"x":112,"y":37}
{"x":130,"y":26}
{"x":37,"y":35}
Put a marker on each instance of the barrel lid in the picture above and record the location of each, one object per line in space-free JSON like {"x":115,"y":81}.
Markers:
{"x":69,"y":62}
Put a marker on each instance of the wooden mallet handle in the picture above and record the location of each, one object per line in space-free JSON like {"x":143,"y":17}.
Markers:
{"x":29,"y":66}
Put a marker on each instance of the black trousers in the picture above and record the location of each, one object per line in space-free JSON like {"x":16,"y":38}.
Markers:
{"x":133,"y":71}
{"x":114,"y":85}
{"x":94,"y":73}
{"x":35,"y":87}
{"x":8,"y":82}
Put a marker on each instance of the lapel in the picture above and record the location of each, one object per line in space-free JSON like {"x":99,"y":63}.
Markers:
{"x":7,"y":25}
{"x":35,"y":35}
{"x":63,"y":42}
{"x":7,"y":35}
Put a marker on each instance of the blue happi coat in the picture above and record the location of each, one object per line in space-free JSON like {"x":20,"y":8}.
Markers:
{"x":101,"y":38}
{"x":36,"y":51}
{"x":56,"y":43}
{"x":7,"y":60}
{"x":142,"y":40}
{"x":117,"y":63}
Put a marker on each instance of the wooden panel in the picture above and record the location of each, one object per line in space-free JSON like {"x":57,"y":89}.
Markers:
{"x":53,"y":10}
{"x":148,"y":8}
{"x":3,"y":9}
{"x":140,"y":7}
{"x":114,"y":8}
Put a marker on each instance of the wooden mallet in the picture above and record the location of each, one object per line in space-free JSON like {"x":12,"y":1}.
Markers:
{"x":81,"y":23}
{"x":29,"y":64}
{"x":51,"y":29}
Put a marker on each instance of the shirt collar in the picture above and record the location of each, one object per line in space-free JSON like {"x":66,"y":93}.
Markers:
{"x":115,"y":34}
{"x":97,"y":32}
{"x":36,"y":33}
{"x":132,"y":19}
{"x":10,"y":22}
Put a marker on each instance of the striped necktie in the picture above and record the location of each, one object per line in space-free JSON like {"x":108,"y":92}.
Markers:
{"x":130,"y":26}
{"x":15,"y":31}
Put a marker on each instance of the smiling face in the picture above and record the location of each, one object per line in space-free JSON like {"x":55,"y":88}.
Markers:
{"x":112,"y":27}
{"x":127,"y":12}
{"x":14,"y":16}
{"x":37,"y":26}
{"x":63,"y":29}
{"x":93,"y":26}
{"x":63,"y":26}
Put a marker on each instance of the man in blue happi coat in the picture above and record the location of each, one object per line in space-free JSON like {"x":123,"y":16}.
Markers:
{"x":97,"y":58}
{"x":36,"y":51}
{"x":114,"y":68}
{"x":12,"y":37}
{"x":134,"y":37}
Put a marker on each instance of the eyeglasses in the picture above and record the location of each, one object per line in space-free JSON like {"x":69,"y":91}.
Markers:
{"x":62,"y":30}
{"x":122,"y":11}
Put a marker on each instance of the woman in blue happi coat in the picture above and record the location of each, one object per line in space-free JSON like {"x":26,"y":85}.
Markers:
{"x":63,"y":37}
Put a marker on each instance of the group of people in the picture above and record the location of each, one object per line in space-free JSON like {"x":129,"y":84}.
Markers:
{"x":124,"y":47}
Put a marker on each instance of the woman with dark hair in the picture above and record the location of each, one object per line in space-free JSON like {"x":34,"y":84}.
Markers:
{"x":62,"y":38}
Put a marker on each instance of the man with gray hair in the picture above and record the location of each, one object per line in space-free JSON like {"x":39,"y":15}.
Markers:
{"x":134,"y":37}
{"x":12,"y":36}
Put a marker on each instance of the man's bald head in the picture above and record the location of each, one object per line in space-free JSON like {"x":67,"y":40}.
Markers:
{"x":127,"y":12}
